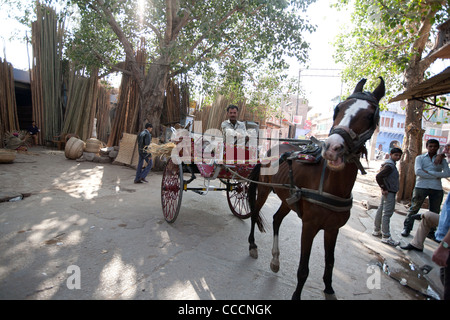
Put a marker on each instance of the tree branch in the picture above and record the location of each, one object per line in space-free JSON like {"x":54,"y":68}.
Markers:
{"x":128,"y":47}
{"x":168,"y":33}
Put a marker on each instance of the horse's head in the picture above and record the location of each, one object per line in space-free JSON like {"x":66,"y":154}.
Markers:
{"x":354,"y":122}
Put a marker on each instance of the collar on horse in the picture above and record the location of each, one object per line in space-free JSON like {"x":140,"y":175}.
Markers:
{"x":319,"y":197}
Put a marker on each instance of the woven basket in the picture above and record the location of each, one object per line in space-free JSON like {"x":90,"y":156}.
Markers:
{"x":74,"y":148}
{"x":7,"y":156}
{"x":93,"y":145}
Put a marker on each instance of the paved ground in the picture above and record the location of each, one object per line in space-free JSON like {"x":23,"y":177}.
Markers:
{"x":89,"y":222}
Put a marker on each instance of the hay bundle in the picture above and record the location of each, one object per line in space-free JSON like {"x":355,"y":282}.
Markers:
{"x":160,"y":150}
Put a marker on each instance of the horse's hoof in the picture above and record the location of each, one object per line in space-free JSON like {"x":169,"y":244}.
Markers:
{"x":329,"y":296}
{"x":295,"y":296}
{"x":274,"y":267}
{"x":254,"y":253}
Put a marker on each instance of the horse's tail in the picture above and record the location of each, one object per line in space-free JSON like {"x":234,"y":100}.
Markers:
{"x":254,"y":175}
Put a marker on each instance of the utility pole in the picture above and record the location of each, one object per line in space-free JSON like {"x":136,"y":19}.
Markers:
{"x":296,"y":109}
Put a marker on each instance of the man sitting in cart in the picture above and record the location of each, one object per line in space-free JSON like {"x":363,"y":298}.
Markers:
{"x":232,"y":128}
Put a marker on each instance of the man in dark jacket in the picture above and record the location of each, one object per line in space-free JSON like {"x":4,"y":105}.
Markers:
{"x":33,"y":131}
{"x":143,"y":140}
{"x":388,"y":180}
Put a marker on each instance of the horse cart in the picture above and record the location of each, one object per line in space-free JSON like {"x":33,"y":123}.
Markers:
{"x":232,"y":168}
{"x":178,"y":176}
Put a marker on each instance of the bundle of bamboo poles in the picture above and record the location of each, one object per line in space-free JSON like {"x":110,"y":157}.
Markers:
{"x":9,"y":120}
{"x":126,"y":118}
{"x":213,"y":115}
{"x":172,"y":104}
{"x":217,"y":113}
{"x":46,"y":76}
{"x":81,"y":104}
{"x":102,"y":115}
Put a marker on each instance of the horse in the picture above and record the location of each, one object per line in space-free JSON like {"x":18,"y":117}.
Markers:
{"x":321,"y":194}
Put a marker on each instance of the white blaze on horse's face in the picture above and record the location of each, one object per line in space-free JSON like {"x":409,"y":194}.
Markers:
{"x":335,"y":144}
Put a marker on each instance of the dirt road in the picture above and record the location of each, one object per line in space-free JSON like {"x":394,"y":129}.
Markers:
{"x":84,"y":230}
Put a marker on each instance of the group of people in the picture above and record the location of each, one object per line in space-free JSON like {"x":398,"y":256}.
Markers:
{"x":429,"y":168}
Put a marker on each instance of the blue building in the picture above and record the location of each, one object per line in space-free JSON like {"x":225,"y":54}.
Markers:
{"x":392,"y":128}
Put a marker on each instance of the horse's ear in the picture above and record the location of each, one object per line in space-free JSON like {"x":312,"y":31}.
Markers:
{"x":360,"y":85}
{"x":336,"y":111}
{"x":379,"y":92}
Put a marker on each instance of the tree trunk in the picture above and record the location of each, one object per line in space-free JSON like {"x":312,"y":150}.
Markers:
{"x":412,"y":143}
{"x":152,"y":95}
{"x":412,"y":147}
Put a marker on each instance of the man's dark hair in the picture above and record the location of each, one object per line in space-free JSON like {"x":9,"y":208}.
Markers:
{"x":148,"y":125}
{"x":232,"y":106}
{"x":432,"y":141}
{"x":396,"y":150}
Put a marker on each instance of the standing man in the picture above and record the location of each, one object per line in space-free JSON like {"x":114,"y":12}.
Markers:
{"x":144,"y":139}
{"x":388,"y":181}
{"x":428,"y":183}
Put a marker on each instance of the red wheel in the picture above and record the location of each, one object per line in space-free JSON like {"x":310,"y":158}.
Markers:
{"x":171,"y":190}
{"x":238,"y":199}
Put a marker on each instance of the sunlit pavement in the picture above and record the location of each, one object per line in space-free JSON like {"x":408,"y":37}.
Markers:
{"x":84,"y":230}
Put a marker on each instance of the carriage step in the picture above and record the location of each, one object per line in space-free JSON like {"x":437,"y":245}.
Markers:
{"x":200,"y":192}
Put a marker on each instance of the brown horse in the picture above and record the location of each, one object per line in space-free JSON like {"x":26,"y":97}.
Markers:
{"x":321,"y":194}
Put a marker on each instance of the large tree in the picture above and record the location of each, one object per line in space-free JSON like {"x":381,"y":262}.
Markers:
{"x":232,"y":37}
{"x":393,"y":39}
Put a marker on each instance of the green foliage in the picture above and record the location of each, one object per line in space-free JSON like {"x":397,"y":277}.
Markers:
{"x":382,"y":37}
{"x":227,"y":40}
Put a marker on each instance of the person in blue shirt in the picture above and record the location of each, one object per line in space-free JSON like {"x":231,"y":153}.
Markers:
{"x":441,"y":256}
{"x":144,"y":139}
{"x":429,"y":172}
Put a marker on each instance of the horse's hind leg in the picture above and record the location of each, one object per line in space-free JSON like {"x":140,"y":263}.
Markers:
{"x":277,"y":219}
{"x":263,"y":194}
{"x":330,"y":237}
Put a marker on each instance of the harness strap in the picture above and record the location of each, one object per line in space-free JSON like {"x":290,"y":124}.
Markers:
{"x":327,"y":200}
{"x":320,"y":198}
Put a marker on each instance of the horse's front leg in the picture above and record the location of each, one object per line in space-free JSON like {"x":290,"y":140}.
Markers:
{"x":308,"y":234}
{"x":277,"y":219}
{"x":330,"y":237}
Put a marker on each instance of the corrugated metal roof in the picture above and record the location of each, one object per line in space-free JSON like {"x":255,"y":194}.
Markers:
{"x":435,"y":86}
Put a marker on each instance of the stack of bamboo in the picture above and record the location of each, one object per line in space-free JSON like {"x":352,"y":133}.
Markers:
{"x":213,"y":115}
{"x":102,"y":115}
{"x":81,"y":104}
{"x":126,"y":117}
{"x":176,"y":103}
{"x":46,"y":76}
{"x":8,"y":111}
